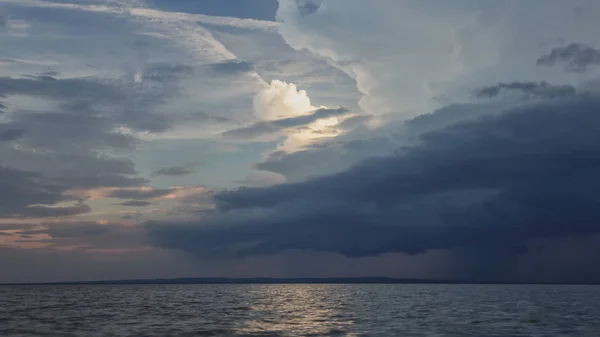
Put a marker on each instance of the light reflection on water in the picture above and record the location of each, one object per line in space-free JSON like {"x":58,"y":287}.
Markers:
{"x":300,"y":310}
{"x":306,"y":310}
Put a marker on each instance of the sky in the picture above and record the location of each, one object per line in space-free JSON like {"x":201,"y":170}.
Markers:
{"x":299,"y":138}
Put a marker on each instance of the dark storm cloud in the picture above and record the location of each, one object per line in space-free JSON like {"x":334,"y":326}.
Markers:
{"x":136,"y":203}
{"x":577,"y":57}
{"x":265,"y":128}
{"x":528,"y":89}
{"x":330,"y":156}
{"x":495,"y":181}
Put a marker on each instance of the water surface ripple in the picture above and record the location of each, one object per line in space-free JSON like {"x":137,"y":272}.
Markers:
{"x":300,"y":310}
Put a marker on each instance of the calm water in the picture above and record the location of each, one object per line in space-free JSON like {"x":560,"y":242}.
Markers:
{"x":300,"y":310}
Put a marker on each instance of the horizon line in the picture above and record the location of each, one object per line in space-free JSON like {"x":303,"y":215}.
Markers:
{"x":287,"y":280}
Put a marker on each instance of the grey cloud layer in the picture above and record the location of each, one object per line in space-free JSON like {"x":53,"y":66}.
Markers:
{"x":232,"y":67}
{"x":10,"y":135}
{"x":529,"y":89}
{"x":21,"y":189}
{"x":23,"y":195}
{"x":74,"y":141}
{"x":576,"y":56}
{"x":184,"y":170}
{"x":492,"y":181}
{"x":85,"y":235}
{"x":139,"y":194}
{"x":136,"y":203}
{"x":2,"y":106}
{"x":174,"y":171}
{"x":44,"y":211}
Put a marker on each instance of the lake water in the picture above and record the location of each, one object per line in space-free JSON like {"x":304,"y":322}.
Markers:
{"x":300,"y":310}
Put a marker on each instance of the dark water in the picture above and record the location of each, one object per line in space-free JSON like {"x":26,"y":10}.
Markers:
{"x":300,"y":310}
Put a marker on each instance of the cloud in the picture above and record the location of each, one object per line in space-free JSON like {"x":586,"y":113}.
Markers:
{"x":308,"y":7}
{"x":281,"y":100}
{"x":174,"y":171}
{"x":3,"y":21}
{"x":232,"y":67}
{"x":77,"y":135}
{"x":136,"y":193}
{"x":528,"y":89}
{"x":362,"y":141}
{"x":354,"y":122}
{"x":10,"y":135}
{"x":432,"y":54}
{"x":15,"y":226}
{"x":465,"y":45}
{"x":494,"y":182}
{"x":177,"y":170}
{"x":79,"y":123}
{"x":68,"y":229}
{"x":284,"y":111}
{"x":117,"y":77}
{"x":47,"y":86}
{"x":140,"y":10}
{"x":181,"y":194}
{"x":167,"y":72}
{"x":21,"y":189}
{"x":261,"y":179}
{"x":270,"y":127}
{"x":38,"y":211}
{"x":203,"y":116}
{"x":77,"y":127}
{"x":82,"y":237}
{"x":136,"y":203}
{"x":123,"y":96}
{"x":576,"y":57}
{"x":255,"y":9}
{"x":329,"y":156}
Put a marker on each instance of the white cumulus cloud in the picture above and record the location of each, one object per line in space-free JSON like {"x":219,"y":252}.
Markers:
{"x":281,"y":100}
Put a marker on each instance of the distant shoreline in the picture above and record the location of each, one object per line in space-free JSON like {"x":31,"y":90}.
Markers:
{"x":261,"y":280}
